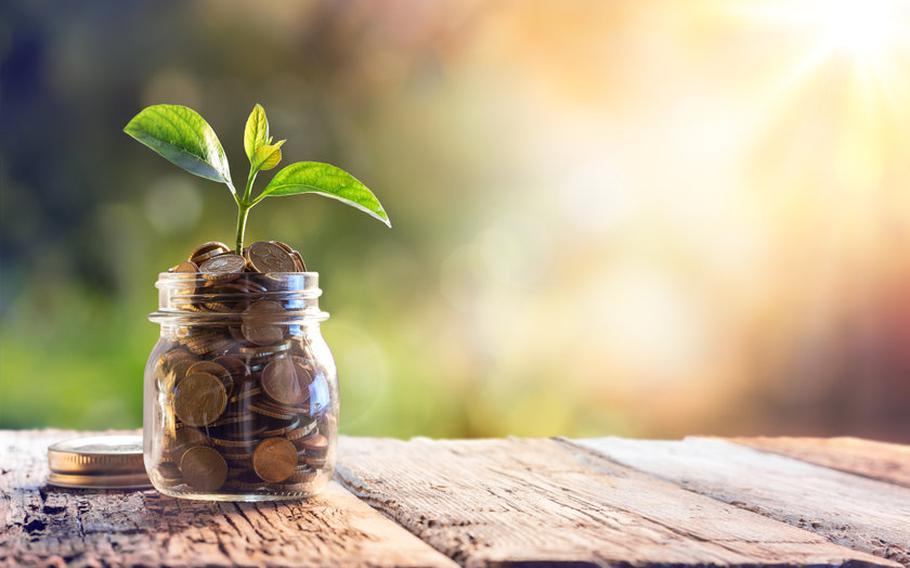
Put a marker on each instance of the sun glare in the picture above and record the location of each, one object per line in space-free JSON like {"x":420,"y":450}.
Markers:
{"x":862,"y":29}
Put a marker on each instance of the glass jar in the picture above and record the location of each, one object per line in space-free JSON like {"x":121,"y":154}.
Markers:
{"x":241,"y":397}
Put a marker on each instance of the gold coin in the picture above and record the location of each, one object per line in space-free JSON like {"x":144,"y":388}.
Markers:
{"x":275,"y":459}
{"x":223,"y":266}
{"x":199,"y":399}
{"x":257,"y":323}
{"x":265,"y":256}
{"x":203,"y":468}
{"x":208,"y":250}
{"x":282,"y":381}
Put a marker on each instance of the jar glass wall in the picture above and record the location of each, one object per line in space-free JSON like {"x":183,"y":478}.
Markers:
{"x":241,"y":397}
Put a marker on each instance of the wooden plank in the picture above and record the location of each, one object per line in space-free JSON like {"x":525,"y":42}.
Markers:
{"x":878,"y":460}
{"x":45,"y":525}
{"x":535,"y":501}
{"x":854,"y":511}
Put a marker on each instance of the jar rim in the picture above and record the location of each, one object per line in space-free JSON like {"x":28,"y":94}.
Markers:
{"x":184,"y":297}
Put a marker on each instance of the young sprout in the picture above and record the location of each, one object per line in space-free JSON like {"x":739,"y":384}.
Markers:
{"x":183,"y":137}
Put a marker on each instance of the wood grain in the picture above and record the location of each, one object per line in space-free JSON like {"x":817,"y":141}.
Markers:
{"x":854,"y":511}
{"x":45,"y":525}
{"x":529,"y":502}
{"x":878,"y":460}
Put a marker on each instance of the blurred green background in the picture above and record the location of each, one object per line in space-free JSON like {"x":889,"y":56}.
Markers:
{"x":636,"y":218}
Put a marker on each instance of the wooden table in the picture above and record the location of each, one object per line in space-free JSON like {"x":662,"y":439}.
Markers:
{"x":516,"y":502}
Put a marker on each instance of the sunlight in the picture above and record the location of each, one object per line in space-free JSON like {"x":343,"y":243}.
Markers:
{"x":863,"y":30}
{"x":866,"y":31}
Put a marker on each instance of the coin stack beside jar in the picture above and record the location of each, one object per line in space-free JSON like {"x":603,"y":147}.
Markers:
{"x":242,"y":402}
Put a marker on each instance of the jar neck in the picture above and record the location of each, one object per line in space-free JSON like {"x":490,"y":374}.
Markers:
{"x":287,"y":298}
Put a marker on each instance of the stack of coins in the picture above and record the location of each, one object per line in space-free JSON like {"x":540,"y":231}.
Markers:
{"x":242,"y":402}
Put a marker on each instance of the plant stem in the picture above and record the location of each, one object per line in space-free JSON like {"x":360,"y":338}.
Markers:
{"x":248,"y":191}
{"x":242,"y":211}
{"x":243,"y":208}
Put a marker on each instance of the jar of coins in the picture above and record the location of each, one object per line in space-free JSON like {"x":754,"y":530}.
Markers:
{"x":241,"y":400}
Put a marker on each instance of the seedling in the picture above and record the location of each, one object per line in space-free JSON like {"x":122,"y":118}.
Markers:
{"x":183,"y":137}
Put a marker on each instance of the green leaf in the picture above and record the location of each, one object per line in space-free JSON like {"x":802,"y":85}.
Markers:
{"x":267,"y":156}
{"x":184,"y":138}
{"x":256,"y":133}
{"x":327,"y":180}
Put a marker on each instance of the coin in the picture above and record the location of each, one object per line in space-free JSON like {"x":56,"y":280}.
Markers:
{"x":265,"y":256}
{"x":257,"y":326}
{"x":175,"y":355}
{"x":268,"y":403}
{"x":169,"y":471}
{"x":281,"y":381}
{"x":299,"y":265}
{"x":208,"y":250}
{"x":305,"y":429}
{"x":235,"y":366}
{"x":176,"y":370}
{"x":291,"y":487}
{"x":200,"y":342}
{"x":287,"y":248}
{"x":217,"y":306}
{"x":264,"y":351}
{"x":199,"y":399}
{"x":203,"y":468}
{"x":303,"y":474}
{"x":245,"y":393}
{"x":223,"y":267}
{"x":314,"y":445}
{"x":265,"y":410}
{"x":243,"y":430}
{"x":187,"y":284}
{"x":280,"y":429}
{"x":248,"y":445}
{"x":185,"y":266}
{"x":245,"y":285}
{"x":244,"y":485}
{"x":188,"y":436}
{"x":275,"y":459}
{"x":213,"y":368}
{"x":317,"y":462}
